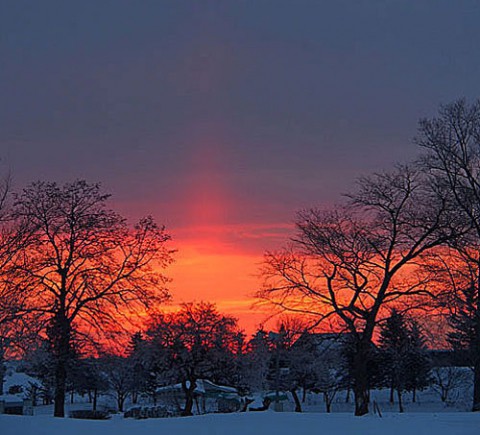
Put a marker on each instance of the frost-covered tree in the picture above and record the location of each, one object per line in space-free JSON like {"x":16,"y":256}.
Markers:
{"x":448,"y":380}
{"x":200,"y":343}
{"x":119,"y":376}
{"x":256,"y":361}
{"x":40,"y":364}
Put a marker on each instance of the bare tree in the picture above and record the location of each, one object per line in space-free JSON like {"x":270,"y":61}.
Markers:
{"x":447,"y":380}
{"x":348,"y":264}
{"x":13,"y":237}
{"x":13,"y":312}
{"x":201,"y":343}
{"x":452,"y":144}
{"x":84,"y":269}
{"x":119,"y":375}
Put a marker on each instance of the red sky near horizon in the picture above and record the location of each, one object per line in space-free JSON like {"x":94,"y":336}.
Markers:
{"x":218,"y":259}
{"x":222,"y":119}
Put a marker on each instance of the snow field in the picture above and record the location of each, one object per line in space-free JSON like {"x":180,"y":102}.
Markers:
{"x":262,"y":423}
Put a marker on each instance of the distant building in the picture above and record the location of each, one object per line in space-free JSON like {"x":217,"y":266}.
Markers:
{"x":209,"y":397}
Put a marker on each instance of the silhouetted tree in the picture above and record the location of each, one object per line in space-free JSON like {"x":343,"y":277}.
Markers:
{"x":13,"y":311}
{"x":84,"y":267}
{"x":200,"y":342}
{"x":418,"y":363}
{"x":394,"y":350}
{"x":256,"y":362}
{"x":452,"y":144}
{"x":118,"y":373}
{"x":346,"y":265}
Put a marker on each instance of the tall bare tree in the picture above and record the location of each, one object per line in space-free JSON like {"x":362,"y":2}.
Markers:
{"x":13,"y":311}
{"x":452,"y":144}
{"x":348,"y":264}
{"x":12,"y":238}
{"x":84,"y":270}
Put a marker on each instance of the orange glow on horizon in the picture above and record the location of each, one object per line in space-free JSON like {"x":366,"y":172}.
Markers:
{"x":207,"y":270}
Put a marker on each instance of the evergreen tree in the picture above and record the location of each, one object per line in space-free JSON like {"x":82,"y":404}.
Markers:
{"x":394,"y":345}
{"x":406,"y":366}
{"x":418,"y":365}
{"x":138,"y":363}
{"x":465,"y":322}
{"x":257,"y":362}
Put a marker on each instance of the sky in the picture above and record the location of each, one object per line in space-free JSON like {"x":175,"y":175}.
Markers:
{"x":223,"y":118}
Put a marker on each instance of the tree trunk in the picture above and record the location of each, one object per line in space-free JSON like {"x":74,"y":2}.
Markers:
{"x":298,"y":405}
{"x":476,"y":350}
{"x":360,"y":392}
{"x":197,"y":405}
{"x":360,"y":378}
{"x":189,"y":397}
{"x":400,"y":402}
{"x":95,"y":394}
{"x":187,"y":411}
{"x":304,"y":394}
{"x":414,"y":395}
{"x":2,"y":376}
{"x":347,"y":397}
{"x":392,"y":389}
{"x":476,"y":384}
{"x":59,"y":334}
{"x":121,"y":401}
{"x":328,"y":403}
{"x":2,"y":365}
{"x":60,"y":382}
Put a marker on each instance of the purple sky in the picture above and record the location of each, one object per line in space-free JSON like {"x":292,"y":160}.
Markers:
{"x":225,"y":112}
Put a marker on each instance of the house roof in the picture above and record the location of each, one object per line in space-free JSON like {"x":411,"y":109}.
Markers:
{"x":204,"y":386}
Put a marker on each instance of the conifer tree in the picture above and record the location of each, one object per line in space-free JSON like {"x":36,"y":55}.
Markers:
{"x":418,"y":363}
{"x":394,"y":345}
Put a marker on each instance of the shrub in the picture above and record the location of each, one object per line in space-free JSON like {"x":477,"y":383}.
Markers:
{"x":89,"y":414}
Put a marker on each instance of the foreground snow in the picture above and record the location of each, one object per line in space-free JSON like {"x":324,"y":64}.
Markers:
{"x":252,"y":424}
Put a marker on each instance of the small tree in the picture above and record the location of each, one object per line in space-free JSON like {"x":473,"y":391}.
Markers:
{"x":447,"y":380}
{"x":255,"y":362}
{"x":405,"y":364}
{"x":39,"y":363}
{"x":197,"y":338}
{"x":394,"y":345}
{"x":120,"y":378}
{"x":91,"y":379}
{"x":138,"y":361}
{"x":418,"y":376}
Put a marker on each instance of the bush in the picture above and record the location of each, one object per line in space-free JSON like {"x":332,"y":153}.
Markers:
{"x":89,"y":414}
{"x":148,"y":412}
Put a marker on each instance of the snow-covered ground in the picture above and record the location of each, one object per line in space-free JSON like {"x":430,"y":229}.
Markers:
{"x":263,"y":423}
